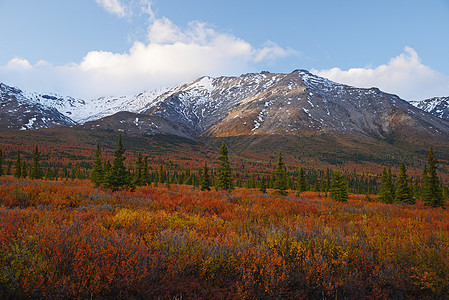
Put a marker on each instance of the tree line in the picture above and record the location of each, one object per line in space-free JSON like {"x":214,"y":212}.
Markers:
{"x":116,"y":176}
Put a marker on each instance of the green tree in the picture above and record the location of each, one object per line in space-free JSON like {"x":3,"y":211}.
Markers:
{"x":139,"y":179}
{"x":18,"y":166}
{"x":23,"y":172}
{"x":385,"y":190}
{"x":224,"y":171}
{"x":8,"y":168}
{"x":339,"y":189}
{"x":403,"y":193}
{"x":281,"y":181}
{"x":432,"y":193}
{"x":301,"y":185}
{"x":118,"y":176}
{"x":263,"y":186}
{"x":97,"y":174}
{"x":205,"y":180}
{"x":145,"y":175}
{"x":35,"y":169}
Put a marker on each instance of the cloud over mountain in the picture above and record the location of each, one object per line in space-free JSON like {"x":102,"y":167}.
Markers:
{"x":170,"y":55}
{"x":404,"y":75}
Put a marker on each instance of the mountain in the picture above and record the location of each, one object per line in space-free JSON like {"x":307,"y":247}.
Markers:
{"x":298,"y":103}
{"x":294,"y":104}
{"x":22,"y":111}
{"x":437,"y":106}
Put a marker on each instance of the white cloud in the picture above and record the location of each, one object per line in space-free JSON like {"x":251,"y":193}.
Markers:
{"x":172,"y":55}
{"x":113,"y":7}
{"x":404,"y":75}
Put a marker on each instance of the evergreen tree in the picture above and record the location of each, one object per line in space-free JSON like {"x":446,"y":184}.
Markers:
{"x":263,"y":186}
{"x":139,"y":179}
{"x":23,"y":172}
{"x":1,"y":162}
{"x":281,"y":181}
{"x":328,"y":180}
{"x":36,"y":170}
{"x":18,"y":166}
{"x":385,"y":187}
{"x":8,"y":168}
{"x":97,"y":174}
{"x":432,"y":193}
{"x":339,"y":189}
{"x":224,"y":171}
{"x":301,"y":185}
{"x":145,"y":175}
{"x":118,"y":176}
{"x":403,"y":193}
{"x":205,"y":180}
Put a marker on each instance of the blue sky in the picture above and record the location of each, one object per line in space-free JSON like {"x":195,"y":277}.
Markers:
{"x":92,"y":48}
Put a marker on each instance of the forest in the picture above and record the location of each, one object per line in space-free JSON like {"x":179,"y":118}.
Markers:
{"x":107,"y":229}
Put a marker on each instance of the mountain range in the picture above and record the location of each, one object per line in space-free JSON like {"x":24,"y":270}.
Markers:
{"x":298,"y":103}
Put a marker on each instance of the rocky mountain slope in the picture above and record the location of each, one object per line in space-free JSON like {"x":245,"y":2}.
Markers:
{"x":19,"y":111}
{"x":437,"y":106}
{"x":298,"y":103}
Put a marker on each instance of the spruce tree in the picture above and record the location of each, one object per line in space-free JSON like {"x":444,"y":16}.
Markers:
{"x":328,"y":180}
{"x":301,"y":185}
{"x":385,"y":187}
{"x":97,"y":174}
{"x":145,"y":175}
{"x":432,"y":193}
{"x":35,"y":169}
{"x":339,"y":189}
{"x":205,"y":180}
{"x":281,"y":181}
{"x":23,"y":172}
{"x":138,"y":179}
{"x":118,"y":176}
{"x":224,"y":171}
{"x":403,"y":193}
{"x":263,"y":186}
{"x":18,"y":166}
{"x":8,"y":168}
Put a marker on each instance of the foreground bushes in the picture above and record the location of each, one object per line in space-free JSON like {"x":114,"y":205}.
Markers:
{"x":69,"y":240}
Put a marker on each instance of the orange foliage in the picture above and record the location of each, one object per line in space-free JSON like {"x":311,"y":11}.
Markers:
{"x":67,"y":239}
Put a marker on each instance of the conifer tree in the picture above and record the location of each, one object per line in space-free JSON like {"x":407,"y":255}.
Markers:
{"x":35,"y":169}
{"x":118,"y":176}
{"x":145,"y":178}
{"x":205,"y":180}
{"x":8,"y":168}
{"x":281,"y":181}
{"x":339,"y":189}
{"x":432,"y":193}
{"x":138,"y":179}
{"x":263,"y":186}
{"x":403,"y":193}
{"x":18,"y":166}
{"x":301,"y":185}
{"x":385,"y":187}
{"x":1,"y":162}
{"x":97,"y":174}
{"x":328,"y":180}
{"x":224,"y":171}
{"x":23,"y":172}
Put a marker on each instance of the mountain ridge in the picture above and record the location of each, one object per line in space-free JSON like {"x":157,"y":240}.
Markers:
{"x":251,"y":104}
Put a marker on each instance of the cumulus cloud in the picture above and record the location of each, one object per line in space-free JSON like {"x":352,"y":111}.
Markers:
{"x":171,"y":55}
{"x":404,"y":75}
{"x":113,"y":7}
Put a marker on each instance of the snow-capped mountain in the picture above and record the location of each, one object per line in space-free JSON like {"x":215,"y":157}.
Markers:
{"x":19,"y":111}
{"x":437,"y":106}
{"x":251,"y":104}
